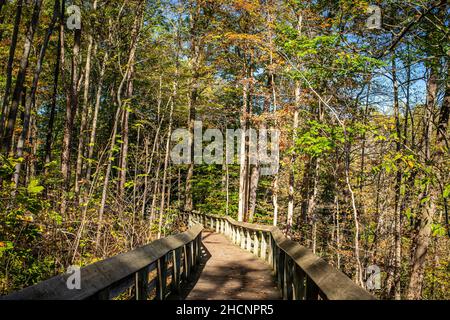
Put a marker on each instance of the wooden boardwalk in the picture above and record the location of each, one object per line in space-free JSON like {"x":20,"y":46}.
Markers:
{"x":228,"y":272}
{"x":216,"y":269}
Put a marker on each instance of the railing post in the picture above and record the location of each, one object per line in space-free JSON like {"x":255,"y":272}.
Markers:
{"x":194,"y":245}
{"x":280,"y":271}
{"x":242,"y":234}
{"x":193,"y":255}
{"x":312,"y":291}
{"x":141,"y":284}
{"x":162,"y":278}
{"x":217,"y":225}
{"x":199,"y":248}
{"x":271,"y":251}
{"x":255,"y":243}
{"x":299,"y":283}
{"x":176,"y":281}
{"x":263,"y":246}
{"x":249,"y":241}
{"x":287,"y":285}
{"x":238,"y":236}
{"x":187,"y":261}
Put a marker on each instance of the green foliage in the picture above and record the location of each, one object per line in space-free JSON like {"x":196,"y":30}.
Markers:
{"x":34,"y":187}
{"x":318,"y":139}
{"x":21,"y":234}
{"x":446,"y":192}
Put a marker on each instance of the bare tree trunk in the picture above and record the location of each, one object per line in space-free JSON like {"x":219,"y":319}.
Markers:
{"x":169,"y":136}
{"x":290,"y":214}
{"x":227,"y":189}
{"x":338,"y":232}
{"x":128,"y":79}
{"x":149,"y":170}
{"x":358,"y":266}
{"x":312,"y":217}
{"x":136,"y":170}
{"x":9,"y":68}
{"x":71,"y":111}
{"x":243,"y":172}
{"x":396,"y":289}
{"x":444,"y":115}
{"x":155,"y":191}
{"x":106,"y":179}
{"x":166,"y":165}
{"x":8,"y":136}
{"x":195,"y":58}
{"x":95,"y":116}
{"x":84,"y":111}
{"x":188,"y":203}
{"x":254,"y":179}
{"x":51,"y":120}
{"x":125,"y":141}
{"x":31,"y":101}
{"x":425,"y":216}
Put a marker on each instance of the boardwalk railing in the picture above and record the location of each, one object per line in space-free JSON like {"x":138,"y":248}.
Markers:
{"x":300,"y":274}
{"x":143,"y":273}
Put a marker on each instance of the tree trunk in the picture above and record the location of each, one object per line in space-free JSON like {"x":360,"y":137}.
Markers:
{"x":358,"y":266}
{"x":254,"y":179}
{"x":155,"y":191}
{"x":396,"y":289}
{"x":9,"y":68}
{"x":149,"y":171}
{"x":188,"y":202}
{"x":195,"y":57}
{"x":95,"y":116}
{"x":166,"y":165}
{"x":425,"y":215}
{"x":84,"y":112}
{"x":71,"y":111}
{"x":290,"y":214}
{"x":128,"y":80}
{"x":106,"y":179}
{"x":169,"y":136}
{"x":243,"y":172}
{"x":444,"y":115}
{"x":8,"y":137}
{"x":51,"y":120}
{"x":31,"y":101}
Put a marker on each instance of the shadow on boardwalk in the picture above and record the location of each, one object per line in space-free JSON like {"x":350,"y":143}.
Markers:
{"x":228,"y":272}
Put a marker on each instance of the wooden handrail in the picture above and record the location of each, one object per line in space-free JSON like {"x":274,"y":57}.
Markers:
{"x":109,"y":278}
{"x":300,"y":274}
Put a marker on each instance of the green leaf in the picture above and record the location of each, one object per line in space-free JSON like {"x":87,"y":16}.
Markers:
{"x":425,"y":200}
{"x":446,"y":192}
{"x":34,"y":187}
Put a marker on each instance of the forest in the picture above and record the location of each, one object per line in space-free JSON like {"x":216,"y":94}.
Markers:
{"x":92,"y":91}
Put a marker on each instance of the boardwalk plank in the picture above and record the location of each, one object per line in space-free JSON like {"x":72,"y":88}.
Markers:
{"x":232,"y":273}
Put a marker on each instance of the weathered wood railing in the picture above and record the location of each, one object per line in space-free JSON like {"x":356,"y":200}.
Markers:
{"x":143,"y":273}
{"x":300,"y":274}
